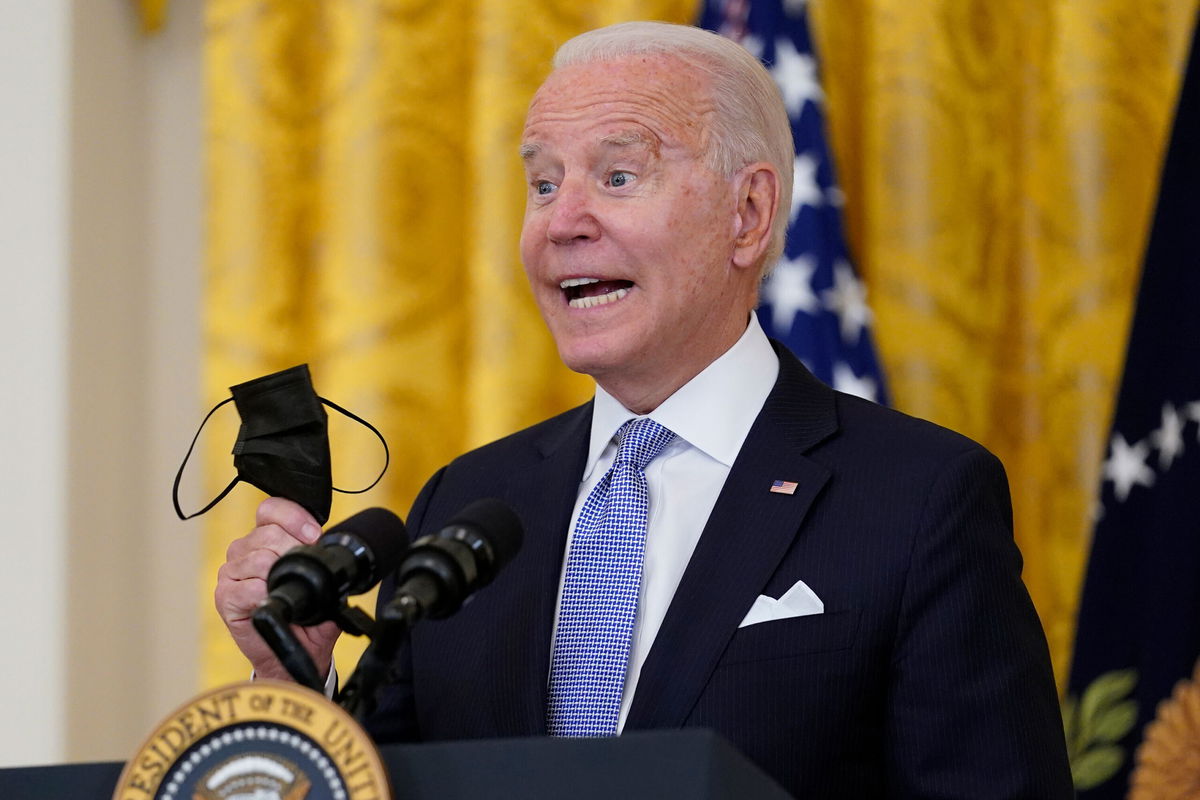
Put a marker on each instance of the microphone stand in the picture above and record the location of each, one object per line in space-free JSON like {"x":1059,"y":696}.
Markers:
{"x":273,"y":620}
{"x":396,"y":619}
{"x":437,"y":574}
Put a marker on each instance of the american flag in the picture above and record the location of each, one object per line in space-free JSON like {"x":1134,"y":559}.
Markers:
{"x":813,"y":301}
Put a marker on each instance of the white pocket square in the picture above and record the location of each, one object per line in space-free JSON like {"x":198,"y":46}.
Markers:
{"x":798,"y":601}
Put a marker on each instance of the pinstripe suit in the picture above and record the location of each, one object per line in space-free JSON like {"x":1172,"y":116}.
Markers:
{"x":927,"y":675}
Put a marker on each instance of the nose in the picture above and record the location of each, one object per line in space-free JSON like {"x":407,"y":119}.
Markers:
{"x":572,"y":214}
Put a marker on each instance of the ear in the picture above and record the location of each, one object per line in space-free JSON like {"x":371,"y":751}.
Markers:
{"x":757,"y":188}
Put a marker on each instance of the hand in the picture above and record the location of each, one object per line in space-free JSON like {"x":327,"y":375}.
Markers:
{"x":242,"y":585}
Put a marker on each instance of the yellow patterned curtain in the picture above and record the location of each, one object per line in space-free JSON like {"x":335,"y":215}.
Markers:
{"x":364,"y":203}
{"x":999,"y":158}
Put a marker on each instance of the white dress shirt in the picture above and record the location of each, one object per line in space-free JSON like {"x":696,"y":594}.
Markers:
{"x":711,"y":416}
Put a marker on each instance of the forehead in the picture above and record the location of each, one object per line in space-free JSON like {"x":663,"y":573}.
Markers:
{"x":662,"y":96}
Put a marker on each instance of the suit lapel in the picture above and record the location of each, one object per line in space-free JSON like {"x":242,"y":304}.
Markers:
{"x":747,"y":534}
{"x":543,"y":495}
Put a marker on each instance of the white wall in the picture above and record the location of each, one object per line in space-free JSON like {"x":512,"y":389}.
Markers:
{"x":100,"y":219}
{"x":34,"y":74}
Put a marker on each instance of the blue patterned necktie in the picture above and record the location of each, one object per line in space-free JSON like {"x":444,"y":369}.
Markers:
{"x":600,"y":590}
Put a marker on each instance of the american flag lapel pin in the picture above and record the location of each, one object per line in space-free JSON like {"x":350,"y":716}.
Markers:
{"x":784,"y":487}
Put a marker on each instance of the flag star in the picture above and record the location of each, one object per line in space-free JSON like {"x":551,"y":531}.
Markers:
{"x":796,"y":74}
{"x":805,"y":189}
{"x":848,"y":299}
{"x":794,"y":8}
{"x":789,"y":290}
{"x":1169,"y":437}
{"x":844,"y":380}
{"x":1126,"y":466}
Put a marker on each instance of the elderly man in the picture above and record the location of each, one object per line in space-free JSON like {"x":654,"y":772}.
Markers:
{"x":717,"y":539}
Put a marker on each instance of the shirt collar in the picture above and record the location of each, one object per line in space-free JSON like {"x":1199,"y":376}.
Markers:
{"x":713,"y":411}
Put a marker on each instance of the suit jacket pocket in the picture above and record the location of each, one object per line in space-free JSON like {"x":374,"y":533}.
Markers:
{"x":784,"y":638}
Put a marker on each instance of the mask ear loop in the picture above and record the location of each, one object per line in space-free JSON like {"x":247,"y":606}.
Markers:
{"x":387,"y":457}
{"x":179,"y":475}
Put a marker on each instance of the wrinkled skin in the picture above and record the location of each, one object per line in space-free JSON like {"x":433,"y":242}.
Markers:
{"x":618,"y":191}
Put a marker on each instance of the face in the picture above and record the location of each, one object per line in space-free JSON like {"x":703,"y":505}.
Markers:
{"x":629,"y":237}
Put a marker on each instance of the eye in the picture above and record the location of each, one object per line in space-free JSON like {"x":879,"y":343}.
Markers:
{"x":621,"y":178}
{"x":544,"y":187}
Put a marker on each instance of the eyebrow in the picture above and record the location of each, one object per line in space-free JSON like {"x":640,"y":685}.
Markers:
{"x":624,"y":139}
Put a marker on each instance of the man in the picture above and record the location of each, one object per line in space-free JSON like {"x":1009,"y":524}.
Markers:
{"x":831,"y":585}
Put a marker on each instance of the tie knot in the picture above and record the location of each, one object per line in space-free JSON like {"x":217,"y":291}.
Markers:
{"x":639,"y":441}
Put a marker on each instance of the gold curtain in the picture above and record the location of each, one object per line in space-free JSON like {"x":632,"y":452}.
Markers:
{"x":999,"y":158}
{"x":364,"y":203}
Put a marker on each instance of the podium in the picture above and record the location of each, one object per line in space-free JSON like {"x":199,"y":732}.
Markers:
{"x":692,"y":763}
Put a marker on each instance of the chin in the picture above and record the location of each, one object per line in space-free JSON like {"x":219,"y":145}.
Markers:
{"x":584,"y":365}
{"x":590,"y":358}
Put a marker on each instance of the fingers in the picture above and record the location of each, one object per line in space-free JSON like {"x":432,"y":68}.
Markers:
{"x":253,"y":565}
{"x":289,"y":516}
{"x":281,"y":525}
{"x":241,"y":580}
{"x":268,"y":538}
{"x":236,"y":599}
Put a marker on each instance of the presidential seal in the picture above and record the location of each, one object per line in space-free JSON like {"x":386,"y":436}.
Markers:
{"x":260,"y":740}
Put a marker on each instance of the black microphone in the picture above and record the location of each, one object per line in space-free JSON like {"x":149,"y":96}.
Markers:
{"x":440,"y":571}
{"x":436,"y":576}
{"x":308,"y":583}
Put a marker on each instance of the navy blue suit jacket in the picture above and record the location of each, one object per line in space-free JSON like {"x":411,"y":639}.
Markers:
{"x":927,"y":676}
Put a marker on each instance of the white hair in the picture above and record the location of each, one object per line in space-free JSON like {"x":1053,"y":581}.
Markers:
{"x":751,"y":123}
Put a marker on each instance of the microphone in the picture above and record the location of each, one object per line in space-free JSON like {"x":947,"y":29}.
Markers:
{"x":437,"y":575}
{"x":308,"y":583}
{"x":441,"y":571}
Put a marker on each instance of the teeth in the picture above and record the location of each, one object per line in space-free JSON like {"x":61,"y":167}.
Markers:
{"x":569,"y":282}
{"x":598,"y":300}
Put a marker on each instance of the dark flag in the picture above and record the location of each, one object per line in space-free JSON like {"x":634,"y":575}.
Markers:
{"x":1138,"y":637}
{"x":813,"y":301}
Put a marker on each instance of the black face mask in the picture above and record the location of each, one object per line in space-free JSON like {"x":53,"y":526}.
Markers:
{"x":283,"y":444}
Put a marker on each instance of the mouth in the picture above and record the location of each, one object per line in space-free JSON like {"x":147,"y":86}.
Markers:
{"x":591,"y":292}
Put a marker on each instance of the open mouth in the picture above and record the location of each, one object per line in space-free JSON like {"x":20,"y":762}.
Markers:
{"x":589,"y":292}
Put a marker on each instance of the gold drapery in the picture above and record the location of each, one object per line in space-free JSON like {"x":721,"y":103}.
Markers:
{"x":999,"y":160}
